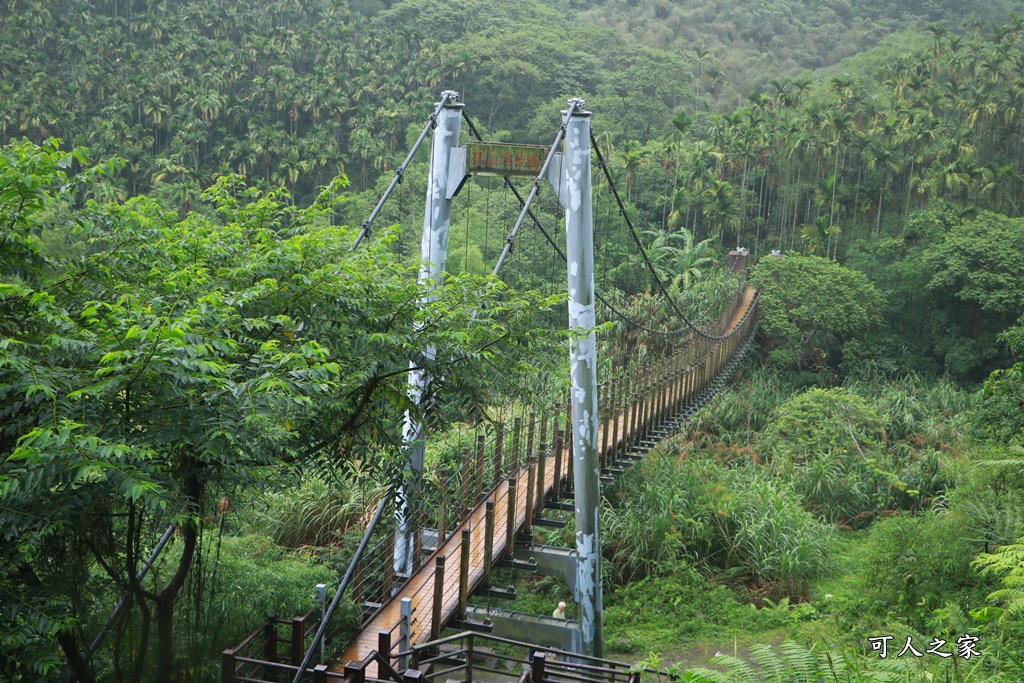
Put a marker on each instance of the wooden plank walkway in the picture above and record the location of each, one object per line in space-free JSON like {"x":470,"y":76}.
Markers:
{"x":420,"y":587}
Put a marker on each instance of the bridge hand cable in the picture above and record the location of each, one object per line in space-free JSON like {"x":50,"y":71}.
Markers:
{"x":625,"y":317}
{"x":643,"y":252}
{"x":446,"y":96}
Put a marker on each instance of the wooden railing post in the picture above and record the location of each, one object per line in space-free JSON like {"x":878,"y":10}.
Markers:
{"x":655,"y":393}
{"x":538,"y":498}
{"x":469,"y":657}
{"x":227,"y":666}
{"x":464,"y":572}
{"x":666,"y":384}
{"x":499,"y":453}
{"x":703,"y":371}
{"x":481,"y":448}
{"x":384,"y":650}
{"x":465,"y":504}
{"x":442,"y":515}
{"x":539,"y":659}
{"x":530,"y":473}
{"x":320,"y":673}
{"x":517,"y":433}
{"x":556,"y":491}
{"x":659,"y":383}
{"x":270,"y":639}
{"x":298,"y":636}
{"x":568,"y":412}
{"x":354,"y":671}
{"x":530,"y":430}
{"x":677,"y":395}
{"x":405,"y":632}
{"x":567,"y":444}
{"x":616,"y":408}
{"x":634,"y":399}
{"x":644,"y":396}
{"x":607,"y":400}
{"x":438,"y":607}
{"x":488,"y":541}
{"x":510,"y":517}
{"x":543,"y":432}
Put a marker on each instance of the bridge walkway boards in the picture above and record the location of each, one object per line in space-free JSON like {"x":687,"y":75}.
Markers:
{"x":420,"y":587}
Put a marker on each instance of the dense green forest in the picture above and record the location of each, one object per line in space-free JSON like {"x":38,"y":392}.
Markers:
{"x":186,"y":337}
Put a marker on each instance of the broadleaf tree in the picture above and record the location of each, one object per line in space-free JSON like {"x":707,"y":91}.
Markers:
{"x":182,"y":359}
{"x":811,"y":305}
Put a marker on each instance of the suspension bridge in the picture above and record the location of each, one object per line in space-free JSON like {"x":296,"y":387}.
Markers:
{"x":436,"y":539}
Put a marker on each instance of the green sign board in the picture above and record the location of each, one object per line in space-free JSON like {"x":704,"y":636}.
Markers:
{"x":504,"y":159}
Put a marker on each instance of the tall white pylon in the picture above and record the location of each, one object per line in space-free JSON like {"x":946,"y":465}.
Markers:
{"x":579,"y":246}
{"x":434,"y":254}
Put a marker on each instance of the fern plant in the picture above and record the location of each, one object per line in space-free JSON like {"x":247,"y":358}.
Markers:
{"x":1008,"y":563}
{"x":795,"y":664}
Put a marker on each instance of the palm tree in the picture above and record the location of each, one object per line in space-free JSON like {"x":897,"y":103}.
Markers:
{"x":633,"y":157}
{"x":817,"y":236}
{"x":721,"y":207}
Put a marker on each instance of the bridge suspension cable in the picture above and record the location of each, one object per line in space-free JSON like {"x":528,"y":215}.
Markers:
{"x":510,"y":240}
{"x":446,"y":96}
{"x":527,"y":210}
{"x":643,"y":252}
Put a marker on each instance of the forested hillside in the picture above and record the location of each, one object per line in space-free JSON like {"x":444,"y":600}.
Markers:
{"x":187,"y":339}
{"x":738,"y":47}
{"x":294,"y":92}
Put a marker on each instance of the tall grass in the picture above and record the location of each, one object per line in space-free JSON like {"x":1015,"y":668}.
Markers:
{"x":320,"y":511}
{"x":773,"y":539}
{"x":735,"y":523}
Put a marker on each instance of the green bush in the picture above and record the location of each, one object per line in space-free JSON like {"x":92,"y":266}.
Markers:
{"x":918,"y":564}
{"x":319,"y":511}
{"x":777,"y":544}
{"x":854,"y":452}
{"x":662,"y":612}
{"x":652,"y":519}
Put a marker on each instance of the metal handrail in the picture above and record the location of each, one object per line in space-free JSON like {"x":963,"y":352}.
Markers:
{"x":344,"y":584}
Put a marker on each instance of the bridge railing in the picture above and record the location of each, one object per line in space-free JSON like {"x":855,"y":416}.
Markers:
{"x":259,"y":657}
{"x":634,"y":404}
{"x":465,"y":655}
{"x":639,"y":399}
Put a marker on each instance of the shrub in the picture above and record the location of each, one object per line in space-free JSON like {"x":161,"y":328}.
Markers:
{"x":772,"y":539}
{"x":917,"y":564}
{"x":319,"y":512}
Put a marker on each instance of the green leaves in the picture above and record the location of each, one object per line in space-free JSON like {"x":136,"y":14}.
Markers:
{"x":811,"y":306}
{"x":982,"y":262}
{"x":180,"y":360}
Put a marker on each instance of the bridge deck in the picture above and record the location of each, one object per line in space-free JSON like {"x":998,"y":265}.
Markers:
{"x":420,"y":587}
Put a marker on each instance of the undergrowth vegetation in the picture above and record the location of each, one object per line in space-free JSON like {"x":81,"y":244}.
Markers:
{"x":837,"y":509}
